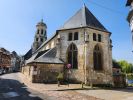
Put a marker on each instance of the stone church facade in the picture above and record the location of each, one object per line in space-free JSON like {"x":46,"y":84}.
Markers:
{"x":83,"y":42}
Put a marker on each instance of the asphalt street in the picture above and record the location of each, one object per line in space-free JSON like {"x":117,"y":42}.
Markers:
{"x":14,"y":90}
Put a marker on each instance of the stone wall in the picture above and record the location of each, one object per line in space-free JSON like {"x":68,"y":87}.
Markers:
{"x":26,"y":70}
{"x":44,"y":73}
{"x":85,"y":71}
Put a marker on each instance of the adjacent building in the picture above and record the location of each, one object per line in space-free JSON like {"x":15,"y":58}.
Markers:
{"x":5,"y":60}
{"x":15,"y":61}
{"x":82,"y":42}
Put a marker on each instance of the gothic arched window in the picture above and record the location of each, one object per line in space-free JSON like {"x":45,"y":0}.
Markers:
{"x":72,"y":56}
{"x":97,"y":58}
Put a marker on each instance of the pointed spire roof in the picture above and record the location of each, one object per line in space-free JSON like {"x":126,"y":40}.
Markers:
{"x":83,"y":18}
{"x":41,"y":23}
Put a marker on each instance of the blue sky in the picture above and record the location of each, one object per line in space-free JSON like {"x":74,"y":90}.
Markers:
{"x":18,"y":20}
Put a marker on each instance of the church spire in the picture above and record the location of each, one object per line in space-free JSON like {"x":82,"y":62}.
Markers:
{"x":42,"y":20}
{"x":83,"y":3}
{"x":40,"y":35}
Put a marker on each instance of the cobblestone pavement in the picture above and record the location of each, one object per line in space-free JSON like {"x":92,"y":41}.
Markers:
{"x":50,"y":91}
{"x":74,"y":91}
{"x":115,"y":94}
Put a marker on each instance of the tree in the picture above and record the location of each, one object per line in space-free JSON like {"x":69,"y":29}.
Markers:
{"x":116,"y":64}
{"x":125,"y":66}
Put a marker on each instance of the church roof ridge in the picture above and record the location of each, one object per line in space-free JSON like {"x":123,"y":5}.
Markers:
{"x":82,"y":18}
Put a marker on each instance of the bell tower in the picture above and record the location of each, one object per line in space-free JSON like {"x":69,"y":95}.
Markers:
{"x":40,"y":35}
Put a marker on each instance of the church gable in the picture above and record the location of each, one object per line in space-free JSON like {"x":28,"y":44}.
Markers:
{"x":83,"y":18}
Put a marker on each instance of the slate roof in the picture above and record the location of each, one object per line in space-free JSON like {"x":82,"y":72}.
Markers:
{"x":40,"y":53}
{"x":47,"y":56}
{"x":83,"y":18}
{"x":45,"y":42}
{"x":28,"y":54}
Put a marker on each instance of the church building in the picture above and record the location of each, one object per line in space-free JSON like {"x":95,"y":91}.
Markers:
{"x":82,"y":42}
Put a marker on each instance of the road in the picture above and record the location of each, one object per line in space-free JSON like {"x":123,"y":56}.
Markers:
{"x":12,"y":89}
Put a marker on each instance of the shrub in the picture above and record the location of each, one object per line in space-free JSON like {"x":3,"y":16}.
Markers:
{"x":60,"y":77}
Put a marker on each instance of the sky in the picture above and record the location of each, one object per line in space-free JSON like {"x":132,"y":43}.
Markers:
{"x":18,"y":19}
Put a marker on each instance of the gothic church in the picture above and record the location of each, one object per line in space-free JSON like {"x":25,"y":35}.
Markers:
{"x":83,"y":42}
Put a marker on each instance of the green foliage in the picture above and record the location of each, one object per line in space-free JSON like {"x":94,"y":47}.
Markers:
{"x":130,"y":76}
{"x":124,"y":65}
{"x":116,"y":64}
{"x":60,"y":77}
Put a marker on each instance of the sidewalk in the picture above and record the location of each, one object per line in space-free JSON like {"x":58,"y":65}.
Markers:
{"x":50,"y":87}
{"x":114,"y":94}
{"x":58,"y":93}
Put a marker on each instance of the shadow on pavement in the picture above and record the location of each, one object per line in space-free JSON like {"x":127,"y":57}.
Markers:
{"x":77,"y":89}
{"x":127,"y":89}
{"x":14,"y":90}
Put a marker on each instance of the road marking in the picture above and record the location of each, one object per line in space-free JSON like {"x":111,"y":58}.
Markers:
{"x":32,"y":95}
{"x":24,"y":87}
{"x":10,"y":94}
